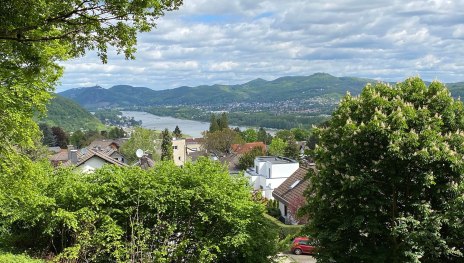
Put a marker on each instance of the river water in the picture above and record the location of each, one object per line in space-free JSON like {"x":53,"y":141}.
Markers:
{"x":154,"y":122}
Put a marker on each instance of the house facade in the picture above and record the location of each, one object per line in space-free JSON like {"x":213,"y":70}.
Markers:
{"x":269,"y":172}
{"x":179,"y":151}
{"x":290,"y":195}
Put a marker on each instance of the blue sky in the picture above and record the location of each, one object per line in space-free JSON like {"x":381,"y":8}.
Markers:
{"x":232,"y":42}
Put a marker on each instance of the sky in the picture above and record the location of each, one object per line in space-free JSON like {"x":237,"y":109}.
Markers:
{"x":209,"y":42}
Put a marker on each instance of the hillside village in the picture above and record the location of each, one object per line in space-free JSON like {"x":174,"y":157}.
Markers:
{"x":265,"y":173}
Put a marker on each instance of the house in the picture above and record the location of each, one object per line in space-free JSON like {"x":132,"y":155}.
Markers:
{"x":194,"y":145}
{"x":108,"y":147}
{"x":179,"y":151}
{"x":269,"y":172}
{"x":88,"y":160}
{"x":62,"y":155}
{"x":290,"y":195}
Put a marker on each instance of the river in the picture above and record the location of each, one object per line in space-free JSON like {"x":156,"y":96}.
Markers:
{"x":154,"y":122}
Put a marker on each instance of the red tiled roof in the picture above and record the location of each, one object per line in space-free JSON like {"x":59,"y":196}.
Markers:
{"x":287,"y":194}
{"x":244,"y":148}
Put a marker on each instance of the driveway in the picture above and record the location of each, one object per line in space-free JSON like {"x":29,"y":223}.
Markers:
{"x":292,"y":258}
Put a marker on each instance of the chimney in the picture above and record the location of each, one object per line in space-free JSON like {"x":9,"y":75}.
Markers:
{"x":73,"y":156}
{"x":70,"y":147}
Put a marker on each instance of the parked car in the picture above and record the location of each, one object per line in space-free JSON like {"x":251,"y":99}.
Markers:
{"x":302,"y":245}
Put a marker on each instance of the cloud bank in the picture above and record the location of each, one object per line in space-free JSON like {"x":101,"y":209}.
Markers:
{"x":230,"y":42}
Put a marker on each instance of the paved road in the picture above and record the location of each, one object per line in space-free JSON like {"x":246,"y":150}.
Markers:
{"x":301,"y":258}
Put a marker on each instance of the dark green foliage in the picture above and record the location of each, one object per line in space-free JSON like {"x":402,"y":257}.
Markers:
{"x":116,"y":133}
{"x":69,"y":115}
{"x":263,"y":136}
{"x":213,"y":124}
{"x":247,"y":159}
{"x":198,"y":213}
{"x":291,"y":150}
{"x":78,"y":139}
{"x":61,"y":137}
{"x":223,"y":122}
{"x":166,"y":146}
{"x":389,"y":186}
{"x":177,"y":132}
{"x":48,"y":139}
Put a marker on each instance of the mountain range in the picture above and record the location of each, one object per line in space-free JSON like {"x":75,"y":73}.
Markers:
{"x":258,"y":90}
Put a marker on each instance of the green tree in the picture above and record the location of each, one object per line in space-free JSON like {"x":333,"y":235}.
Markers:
{"x":126,"y":214}
{"x":389,"y":185}
{"x":166,"y":146}
{"x":263,"y":136}
{"x":61,"y":137}
{"x":223,"y":122}
{"x":250,"y":135}
{"x":47,"y":135}
{"x":291,"y":150}
{"x":77,"y":139}
{"x":36,"y":35}
{"x":277,"y":147}
{"x":248,"y":159}
{"x":177,"y":132}
{"x":300,"y":134}
{"x":213,"y":123}
{"x":285,"y":135}
{"x":220,"y":142}
{"x":116,"y":133}
{"x":145,"y":139}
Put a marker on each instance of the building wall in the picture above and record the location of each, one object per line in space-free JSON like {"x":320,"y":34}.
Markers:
{"x":90,"y":165}
{"x":179,"y":151}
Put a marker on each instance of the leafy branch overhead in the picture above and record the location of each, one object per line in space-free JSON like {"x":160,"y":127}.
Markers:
{"x":88,"y":24}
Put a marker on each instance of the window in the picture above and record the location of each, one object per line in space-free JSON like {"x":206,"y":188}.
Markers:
{"x":256,"y":169}
{"x":174,"y":147}
{"x":285,"y":210}
{"x":179,"y":158}
{"x":269,"y":173}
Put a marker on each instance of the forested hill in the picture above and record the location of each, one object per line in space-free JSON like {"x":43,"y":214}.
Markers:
{"x":69,"y":115}
{"x":259,"y":90}
{"x":282,"y":89}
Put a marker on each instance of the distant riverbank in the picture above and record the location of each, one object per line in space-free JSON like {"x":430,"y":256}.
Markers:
{"x":150,"y":121}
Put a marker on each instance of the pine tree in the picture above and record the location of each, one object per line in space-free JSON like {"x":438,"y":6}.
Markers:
{"x":177,"y":132}
{"x":223,"y":122}
{"x":166,"y":146}
{"x":213,"y":125}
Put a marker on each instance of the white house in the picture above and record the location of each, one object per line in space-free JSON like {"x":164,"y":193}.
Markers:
{"x":90,"y":161}
{"x":270,"y":172}
{"x":179,"y":152}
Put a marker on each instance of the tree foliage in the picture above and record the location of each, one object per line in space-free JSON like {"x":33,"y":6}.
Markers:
{"x":247,"y":159}
{"x":166,"y":146}
{"x":220,"y":142}
{"x":145,"y":139}
{"x":390,"y":181}
{"x":177,"y":133}
{"x":198,"y":213}
{"x":36,"y":35}
{"x":249,"y":135}
{"x":277,"y":147}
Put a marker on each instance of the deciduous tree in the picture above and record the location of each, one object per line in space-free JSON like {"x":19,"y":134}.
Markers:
{"x":277,"y":147}
{"x":389,"y":186}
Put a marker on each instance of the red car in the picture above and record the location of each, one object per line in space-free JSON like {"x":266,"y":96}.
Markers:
{"x":302,"y":245}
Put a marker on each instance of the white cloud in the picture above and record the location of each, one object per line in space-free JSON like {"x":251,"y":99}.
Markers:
{"x":221,"y":41}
